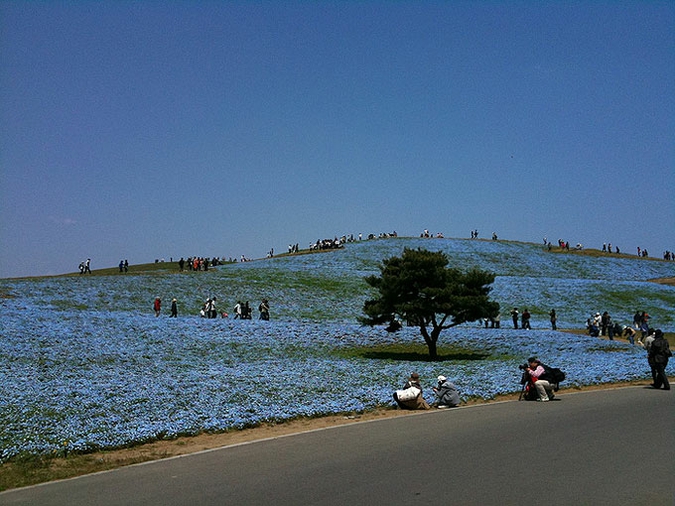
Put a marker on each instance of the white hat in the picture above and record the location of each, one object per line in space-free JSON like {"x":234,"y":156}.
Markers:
{"x":441,"y":379}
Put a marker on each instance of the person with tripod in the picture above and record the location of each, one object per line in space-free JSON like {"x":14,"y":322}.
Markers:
{"x":537,"y":375}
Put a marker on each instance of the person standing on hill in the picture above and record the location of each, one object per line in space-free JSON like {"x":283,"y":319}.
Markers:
{"x":554,"y":320}
{"x":605,"y":320}
{"x":526,"y":320}
{"x":264,"y":309}
{"x":174,"y":309}
{"x":514,"y":317}
{"x":659,"y":352}
{"x":157,"y":306}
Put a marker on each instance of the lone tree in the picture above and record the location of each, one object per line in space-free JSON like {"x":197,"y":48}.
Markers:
{"x":421,"y":289}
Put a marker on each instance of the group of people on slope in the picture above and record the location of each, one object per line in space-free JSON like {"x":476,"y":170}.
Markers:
{"x":157,"y":307}
{"x":524,"y":319}
{"x":242,"y":311}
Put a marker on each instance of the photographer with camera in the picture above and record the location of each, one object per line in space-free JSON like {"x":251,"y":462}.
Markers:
{"x":537,"y":377}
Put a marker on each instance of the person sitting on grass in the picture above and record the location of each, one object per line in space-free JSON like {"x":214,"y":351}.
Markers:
{"x":410,"y":396}
{"x":446,"y":394}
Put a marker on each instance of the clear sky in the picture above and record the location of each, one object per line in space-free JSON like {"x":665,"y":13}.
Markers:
{"x":143,"y":130}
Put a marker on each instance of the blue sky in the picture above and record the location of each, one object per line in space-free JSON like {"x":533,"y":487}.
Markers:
{"x":146,"y":130}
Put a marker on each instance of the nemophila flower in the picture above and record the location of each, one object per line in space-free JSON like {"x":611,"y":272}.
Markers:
{"x":86,"y":361}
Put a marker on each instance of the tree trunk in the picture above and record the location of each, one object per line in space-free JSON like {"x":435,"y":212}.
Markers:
{"x":433,"y":352}
{"x":431,"y":340}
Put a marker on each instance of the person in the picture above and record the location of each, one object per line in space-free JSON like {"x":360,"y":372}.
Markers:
{"x":514,"y":317}
{"x":264,"y":309}
{"x":157,"y":306}
{"x":525,"y":318}
{"x":647,"y":344}
{"x":537,"y":374}
{"x":417,"y":401}
{"x":628,"y":332}
{"x":592,"y":324}
{"x":87,"y":266}
{"x":174,"y":309}
{"x":211,"y":311}
{"x":659,"y":352}
{"x":554,"y":320}
{"x":447,"y":394}
{"x":237,"y":310}
{"x":605,"y":321}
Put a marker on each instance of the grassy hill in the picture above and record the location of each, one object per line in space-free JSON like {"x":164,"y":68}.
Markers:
{"x":88,"y":366}
{"x":329,"y":286}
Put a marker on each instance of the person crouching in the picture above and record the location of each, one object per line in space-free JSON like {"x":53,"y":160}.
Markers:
{"x":447,"y":395}
{"x":410,"y":396}
{"x":537,"y":375}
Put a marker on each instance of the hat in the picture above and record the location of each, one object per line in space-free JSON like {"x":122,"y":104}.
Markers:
{"x":415,"y":376}
{"x":441,"y":379}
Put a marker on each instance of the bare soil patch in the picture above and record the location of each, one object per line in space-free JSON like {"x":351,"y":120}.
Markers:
{"x":664,"y":281}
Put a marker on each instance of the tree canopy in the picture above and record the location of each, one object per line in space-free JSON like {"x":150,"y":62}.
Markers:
{"x":420,"y":289}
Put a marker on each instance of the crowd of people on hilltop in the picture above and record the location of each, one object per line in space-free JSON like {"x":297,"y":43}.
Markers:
{"x":200,"y":263}
{"x":323,"y":244}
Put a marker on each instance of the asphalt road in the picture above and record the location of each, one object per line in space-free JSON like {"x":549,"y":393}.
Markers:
{"x":613,"y":447}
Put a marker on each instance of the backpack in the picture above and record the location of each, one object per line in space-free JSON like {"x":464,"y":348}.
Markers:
{"x":554,"y":376}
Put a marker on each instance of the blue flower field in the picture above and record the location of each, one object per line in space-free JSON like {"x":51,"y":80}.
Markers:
{"x":87,"y":366}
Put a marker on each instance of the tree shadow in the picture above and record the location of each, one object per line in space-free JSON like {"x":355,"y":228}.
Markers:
{"x":414,"y":356}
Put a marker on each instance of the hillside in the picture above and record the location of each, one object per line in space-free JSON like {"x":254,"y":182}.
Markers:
{"x":329,"y":286}
{"x":88,"y":366}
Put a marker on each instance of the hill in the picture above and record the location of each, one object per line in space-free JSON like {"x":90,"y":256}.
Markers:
{"x":88,"y":366}
{"x":329,"y":286}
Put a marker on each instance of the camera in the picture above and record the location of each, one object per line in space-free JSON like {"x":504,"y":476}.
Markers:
{"x":522,"y":367}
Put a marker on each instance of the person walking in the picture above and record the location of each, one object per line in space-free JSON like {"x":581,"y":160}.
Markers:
{"x":659,"y":352}
{"x":174,"y":308}
{"x":526,"y":320}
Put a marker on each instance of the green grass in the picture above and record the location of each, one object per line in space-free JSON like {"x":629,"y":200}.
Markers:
{"x":414,"y":353}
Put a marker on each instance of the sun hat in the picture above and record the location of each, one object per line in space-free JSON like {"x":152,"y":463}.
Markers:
{"x":441,"y":379}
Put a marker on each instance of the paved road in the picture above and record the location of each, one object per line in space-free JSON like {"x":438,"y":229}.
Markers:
{"x":614,"y":447}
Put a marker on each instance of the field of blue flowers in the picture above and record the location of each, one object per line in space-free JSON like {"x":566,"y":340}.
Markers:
{"x":87,"y":366}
